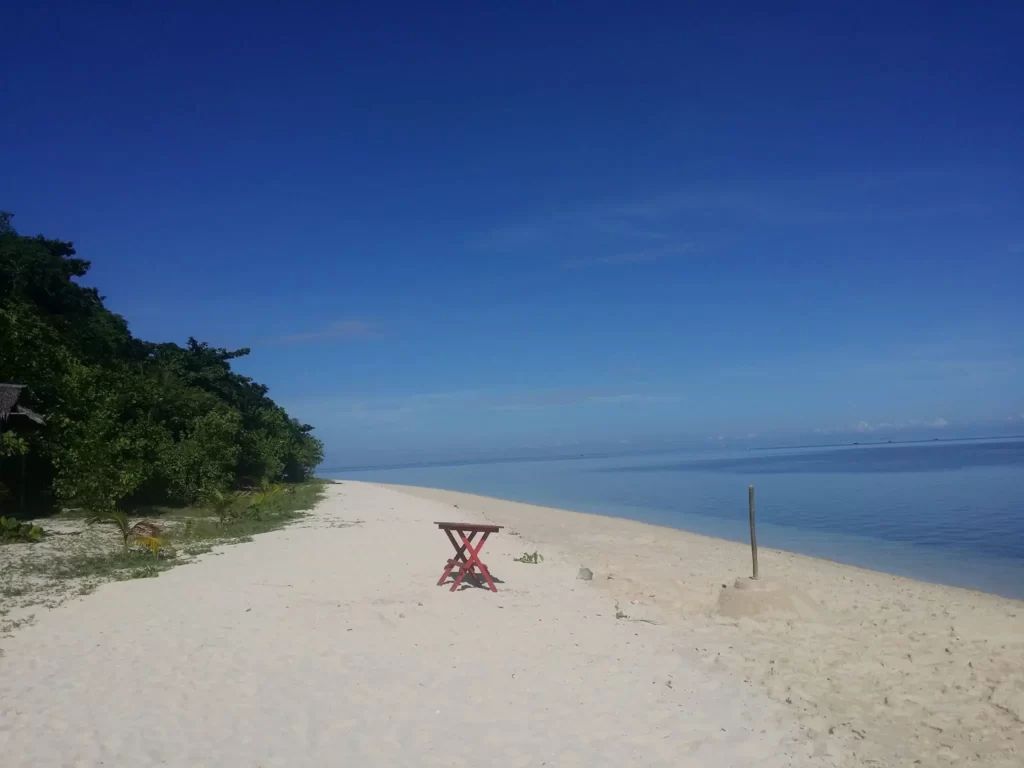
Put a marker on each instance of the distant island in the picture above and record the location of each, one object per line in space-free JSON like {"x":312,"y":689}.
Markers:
{"x":884,"y":441}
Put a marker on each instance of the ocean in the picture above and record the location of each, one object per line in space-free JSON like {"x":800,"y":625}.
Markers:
{"x":946,"y":512}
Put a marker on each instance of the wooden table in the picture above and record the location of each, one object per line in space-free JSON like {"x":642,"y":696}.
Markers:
{"x":467,"y":565}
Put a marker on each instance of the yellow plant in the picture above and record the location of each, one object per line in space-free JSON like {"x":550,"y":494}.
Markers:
{"x":146,"y":533}
{"x":152,"y":543}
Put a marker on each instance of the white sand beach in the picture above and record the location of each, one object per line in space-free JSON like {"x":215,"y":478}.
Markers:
{"x":328,"y":644}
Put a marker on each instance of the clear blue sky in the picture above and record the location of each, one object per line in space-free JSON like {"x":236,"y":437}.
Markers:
{"x":445,"y":229}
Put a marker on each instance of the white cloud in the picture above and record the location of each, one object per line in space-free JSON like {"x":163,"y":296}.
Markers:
{"x":359,"y":409}
{"x":628,"y":258}
{"x":866,"y":426}
{"x":611,"y":399}
{"x":341,"y":329}
{"x":518,"y":407}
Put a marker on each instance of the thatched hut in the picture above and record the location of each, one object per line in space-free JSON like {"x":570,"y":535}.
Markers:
{"x":9,"y":394}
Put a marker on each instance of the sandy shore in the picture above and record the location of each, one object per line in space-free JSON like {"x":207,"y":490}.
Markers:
{"x":328,"y":643}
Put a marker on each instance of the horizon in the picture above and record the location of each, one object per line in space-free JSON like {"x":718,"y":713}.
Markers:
{"x":499,"y":230}
{"x":580,"y":452}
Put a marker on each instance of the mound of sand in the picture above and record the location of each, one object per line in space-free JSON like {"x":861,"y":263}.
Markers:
{"x":750,"y":599}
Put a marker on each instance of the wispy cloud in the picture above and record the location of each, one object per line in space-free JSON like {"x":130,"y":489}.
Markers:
{"x":539,"y":400}
{"x":866,"y":426}
{"x":576,"y":228}
{"x":628,"y":258}
{"x":341,"y":329}
{"x":704,"y":211}
{"x":735,"y":438}
{"x":394,"y":409}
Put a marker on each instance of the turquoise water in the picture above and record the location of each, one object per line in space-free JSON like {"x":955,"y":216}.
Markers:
{"x":951,"y":513}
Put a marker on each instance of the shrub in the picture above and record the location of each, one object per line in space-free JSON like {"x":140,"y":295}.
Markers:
{"x":12,"y":530}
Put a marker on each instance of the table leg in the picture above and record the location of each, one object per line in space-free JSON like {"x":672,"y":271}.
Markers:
{"x":472,"y":562}
{"x":460,"y":557}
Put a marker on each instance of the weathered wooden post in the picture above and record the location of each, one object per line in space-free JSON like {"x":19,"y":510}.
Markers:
{"x":753,"y":529}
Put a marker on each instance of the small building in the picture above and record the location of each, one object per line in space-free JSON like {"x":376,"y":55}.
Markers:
{"x":9,"y":394}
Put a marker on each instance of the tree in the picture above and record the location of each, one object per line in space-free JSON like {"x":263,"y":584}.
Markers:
{"x":127,"y":419}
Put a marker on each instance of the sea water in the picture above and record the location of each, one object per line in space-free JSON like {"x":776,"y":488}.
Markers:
{"x":948,"y":512}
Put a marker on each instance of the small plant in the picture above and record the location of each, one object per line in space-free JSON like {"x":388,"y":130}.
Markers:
{"x":224,"y":504}
{"x":148,"y":534}
{"x":260,"y":500}
{"x":12,"y":530}
{"x":267,"y":491}
{"x":534,"y":558}
{"x":145,"y":532}
{"x":116,"y":518}
{"x":619,"y":613}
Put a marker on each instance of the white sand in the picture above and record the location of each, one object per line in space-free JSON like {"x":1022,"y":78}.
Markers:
{"x":326,"y":645}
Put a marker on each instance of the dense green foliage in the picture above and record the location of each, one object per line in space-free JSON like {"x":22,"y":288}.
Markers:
{"x":126,"y":420}
{"x":12,"y":530}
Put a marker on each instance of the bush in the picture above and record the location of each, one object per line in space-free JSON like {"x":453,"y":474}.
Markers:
{"x":126,"y":419}
{"x":12,"y":531}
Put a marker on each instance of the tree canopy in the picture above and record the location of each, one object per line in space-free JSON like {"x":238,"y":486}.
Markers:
{"x":126,"y":420}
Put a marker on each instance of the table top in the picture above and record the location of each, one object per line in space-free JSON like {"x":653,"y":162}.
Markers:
{"x":478,"y":527}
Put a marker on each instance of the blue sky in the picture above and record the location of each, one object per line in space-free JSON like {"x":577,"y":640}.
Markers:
{"x":462,"y":229}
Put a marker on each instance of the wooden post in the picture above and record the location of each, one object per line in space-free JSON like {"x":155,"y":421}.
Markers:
{"x":21,"y":491}
{"x":753,"y":530}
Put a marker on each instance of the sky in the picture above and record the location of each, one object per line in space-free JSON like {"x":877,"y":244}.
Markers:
{"x":450,"y":230}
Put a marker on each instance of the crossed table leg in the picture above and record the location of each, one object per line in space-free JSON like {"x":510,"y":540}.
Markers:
{"x":471,"y":564}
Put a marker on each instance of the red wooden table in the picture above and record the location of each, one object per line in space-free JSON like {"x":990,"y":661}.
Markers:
{"x":467,"y":565}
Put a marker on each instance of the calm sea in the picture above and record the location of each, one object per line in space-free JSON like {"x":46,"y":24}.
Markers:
{"x":948,"y":512}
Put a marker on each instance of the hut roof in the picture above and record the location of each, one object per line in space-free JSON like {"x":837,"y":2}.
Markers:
{"x":9,"y":394}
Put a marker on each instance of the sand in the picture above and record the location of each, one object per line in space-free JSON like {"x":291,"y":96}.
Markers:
{"x":328,"y":643}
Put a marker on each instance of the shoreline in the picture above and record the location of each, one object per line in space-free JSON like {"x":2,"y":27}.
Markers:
{"x":330,"y":642}
{"x":908,"y":669}
{"x":433,"y":492}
